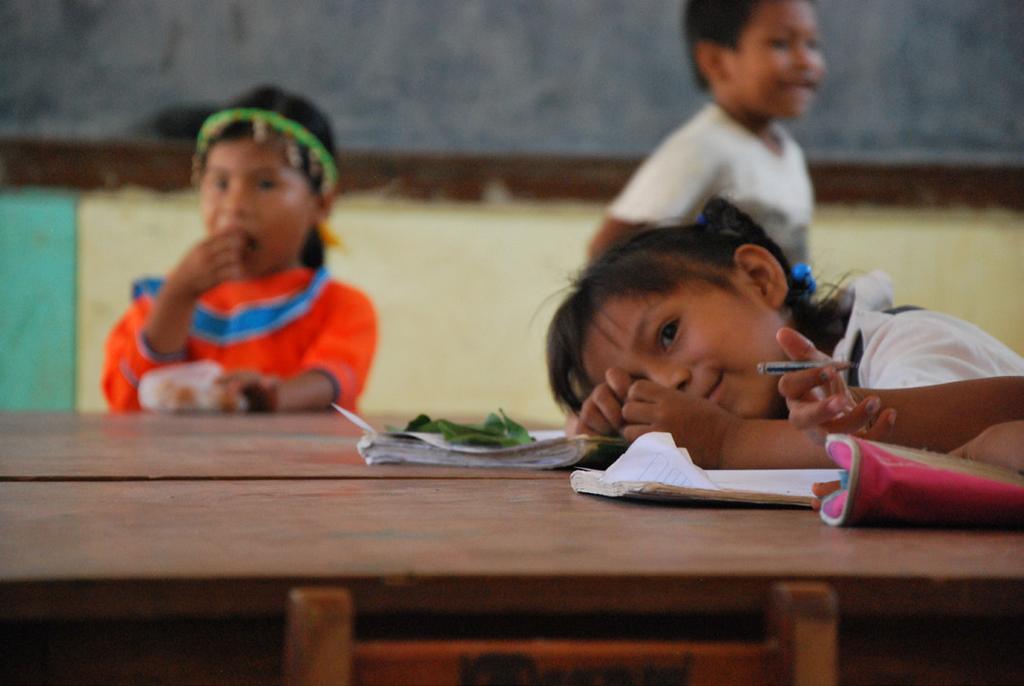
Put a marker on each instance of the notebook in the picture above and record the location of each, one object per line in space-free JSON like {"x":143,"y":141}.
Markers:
{"x":654,"y":468}
{"x":549,"y":449}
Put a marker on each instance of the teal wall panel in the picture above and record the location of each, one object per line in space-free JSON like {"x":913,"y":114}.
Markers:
{"x":37,"y":301}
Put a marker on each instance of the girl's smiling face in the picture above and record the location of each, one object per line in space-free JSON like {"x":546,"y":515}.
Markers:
{"x":249,"y":186}
{"x":701,"y":339}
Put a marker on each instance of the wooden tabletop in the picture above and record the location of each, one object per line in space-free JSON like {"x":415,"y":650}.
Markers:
{"x":462,"y":545}
{"x":140,"y":446}
{"x":140,"y":513}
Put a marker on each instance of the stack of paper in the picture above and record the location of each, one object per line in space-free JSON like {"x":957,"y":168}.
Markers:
{"x":549,"y":450}
{"x":654,"y":468}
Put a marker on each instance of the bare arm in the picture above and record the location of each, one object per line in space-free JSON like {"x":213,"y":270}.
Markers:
{"x":945,"y":416}
{"x":1001,"y":445}
{"x":939,"y":418}
{"x":307,"y":391}
{"x":769,"y":444}
{"x":611,"y":231}
{"x":213,"y":260}
{"x":310,"y":390}
{"x":167,"y":327}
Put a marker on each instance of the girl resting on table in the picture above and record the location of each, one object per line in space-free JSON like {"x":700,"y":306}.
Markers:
{"x":664,"y":333}
{"x":253,"y":295}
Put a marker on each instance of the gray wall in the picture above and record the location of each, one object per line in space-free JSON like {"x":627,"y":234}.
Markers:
{"x":914,"y":80}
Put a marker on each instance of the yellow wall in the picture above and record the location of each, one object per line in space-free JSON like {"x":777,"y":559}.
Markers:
{"x":968,"y":263}
{"x":464,"y":291}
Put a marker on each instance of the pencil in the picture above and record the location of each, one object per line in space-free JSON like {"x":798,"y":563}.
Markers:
{"x":784,"y":366}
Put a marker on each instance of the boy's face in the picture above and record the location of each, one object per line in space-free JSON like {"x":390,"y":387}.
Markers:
{"x":776,"y":67}
{"x":700,"y":339}
{"x":248,"y":186}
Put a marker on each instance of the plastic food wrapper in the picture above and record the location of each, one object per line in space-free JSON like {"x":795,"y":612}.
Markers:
{"x":188,"y":387}
{"x":893,"y":484}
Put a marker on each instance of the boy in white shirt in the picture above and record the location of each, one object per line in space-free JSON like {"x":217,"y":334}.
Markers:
{"x":761,"y":62}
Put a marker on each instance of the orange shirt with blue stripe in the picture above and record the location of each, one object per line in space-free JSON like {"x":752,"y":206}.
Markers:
{"x":285,"y":324}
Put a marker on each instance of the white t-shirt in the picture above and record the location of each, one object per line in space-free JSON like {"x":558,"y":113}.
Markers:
{"x":712,"y":154}
{"x":917,"y":347}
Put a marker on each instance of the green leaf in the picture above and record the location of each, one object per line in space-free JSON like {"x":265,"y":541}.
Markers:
{"x":494,"y":424}
{"x":515,"y":430}
{"x":495,"y":430}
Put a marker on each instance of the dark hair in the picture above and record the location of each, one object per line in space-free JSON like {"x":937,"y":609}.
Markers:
{"x":299,"y":110}
{"x":717,"y":21}
{"x":659,"y":260}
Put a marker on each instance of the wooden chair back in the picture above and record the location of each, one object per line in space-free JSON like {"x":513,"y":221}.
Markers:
{"x":800,"y":649}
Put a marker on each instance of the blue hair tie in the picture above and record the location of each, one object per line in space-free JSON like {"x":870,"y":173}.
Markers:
{"x":702,"y":220}
{"x":803,"y":279}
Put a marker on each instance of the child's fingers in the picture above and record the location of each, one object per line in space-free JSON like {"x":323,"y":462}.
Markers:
{"x":592,"y":422}
{"x":824,"y":488}
{"x":883,"y":426}
{"x":601,"y":412}
{"x":645,"y":390}
{"x":574,"y":425}
{"x":619,"y":381}
{"x":608,"y":404}
{"x":638,"y":412}
{"x":856,"y":419}
{"x":837,"y":384}
{"x":226,"y":266}
{"x":797,"y":346}
{"x":795,"y":385}
{"x":631,"y":432}
{"x":219,"y":264}
{"x":810,"y":414}
{"x":223,"y":246}
{"x":228,"y":246}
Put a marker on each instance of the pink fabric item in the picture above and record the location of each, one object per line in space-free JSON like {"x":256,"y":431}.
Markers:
{"x":889,"y":483}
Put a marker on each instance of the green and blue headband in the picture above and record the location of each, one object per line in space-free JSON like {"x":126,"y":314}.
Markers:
{"x":321,"y":159}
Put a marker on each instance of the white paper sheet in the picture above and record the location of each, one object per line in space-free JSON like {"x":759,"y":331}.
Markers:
{"x":655,"y":457}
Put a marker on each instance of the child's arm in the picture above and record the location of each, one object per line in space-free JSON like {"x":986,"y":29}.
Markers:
{"x":939,"y":417}
{"x":340,"y":355}
{"x":311,"y":390}
{"x":945,"y":416}
{"x":334,"y":367}
{"x":212,"y":261}
{"x":1000,"y":444}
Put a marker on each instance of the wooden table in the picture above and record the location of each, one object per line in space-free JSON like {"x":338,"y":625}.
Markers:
{"x":136,"y":447}
{"x":106,"y":578}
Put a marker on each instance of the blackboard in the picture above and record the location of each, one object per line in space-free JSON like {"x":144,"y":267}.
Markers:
{"x":909,"y":80}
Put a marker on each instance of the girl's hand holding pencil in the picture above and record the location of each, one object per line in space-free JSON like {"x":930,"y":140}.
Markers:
{"x":819,"y":400}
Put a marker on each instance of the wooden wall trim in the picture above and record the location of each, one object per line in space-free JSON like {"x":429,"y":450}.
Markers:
{"x":166,"y":166}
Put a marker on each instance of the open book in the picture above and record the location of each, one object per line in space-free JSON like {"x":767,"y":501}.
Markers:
{"x":549,"y":450}
{"x":655,"y":469}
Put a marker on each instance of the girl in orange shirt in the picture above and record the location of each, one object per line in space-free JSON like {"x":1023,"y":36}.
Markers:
{"x":253,"y":295}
